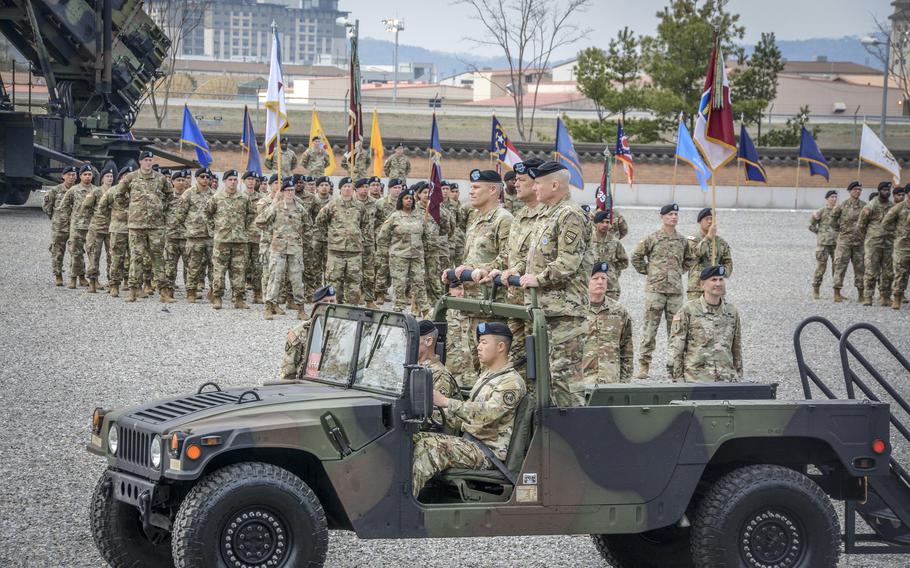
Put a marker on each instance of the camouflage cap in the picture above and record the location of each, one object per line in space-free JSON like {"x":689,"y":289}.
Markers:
{"x":712,"y":271}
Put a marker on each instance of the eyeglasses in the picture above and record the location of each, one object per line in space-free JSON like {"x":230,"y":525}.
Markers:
{"x":204,"y":176}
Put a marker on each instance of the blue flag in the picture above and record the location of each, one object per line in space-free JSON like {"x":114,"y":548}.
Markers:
{"x":248,"y":143}
{"x":566,"y":155}
{"x":809,"y":152}
{"x":436,"y":197}
{"x":686,"y":151}
{"x":193,"y":136}
{"x":748,"y":155}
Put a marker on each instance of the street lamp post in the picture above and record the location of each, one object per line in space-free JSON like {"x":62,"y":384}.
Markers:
{"x":394,"y":25}
{"x":887,"y":44}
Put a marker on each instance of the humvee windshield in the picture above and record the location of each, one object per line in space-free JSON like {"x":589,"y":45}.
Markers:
{"x":359,"y":354}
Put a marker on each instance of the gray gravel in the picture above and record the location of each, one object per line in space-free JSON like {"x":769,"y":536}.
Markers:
{"x":64,"y":352}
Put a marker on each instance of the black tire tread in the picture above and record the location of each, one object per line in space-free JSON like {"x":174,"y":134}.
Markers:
{"x":224,"y":479}
{"x":712,"y":507}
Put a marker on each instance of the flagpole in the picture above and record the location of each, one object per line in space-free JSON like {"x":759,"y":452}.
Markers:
{"x":676,"y":158}
{"x":714,"y":215}
{"x":796,"y":192}
{"x":738,"y":163}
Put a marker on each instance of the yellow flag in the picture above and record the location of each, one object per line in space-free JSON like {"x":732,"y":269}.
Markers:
{"x":316,"y":131}
{"x":376,"y":146}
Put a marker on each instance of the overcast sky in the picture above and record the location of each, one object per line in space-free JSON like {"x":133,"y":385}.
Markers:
{"x":440,"y":25}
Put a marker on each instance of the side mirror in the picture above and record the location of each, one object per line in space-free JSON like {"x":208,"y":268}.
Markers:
{"x":420,"y":395}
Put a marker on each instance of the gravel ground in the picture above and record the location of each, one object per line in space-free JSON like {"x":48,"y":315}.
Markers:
{"x":64,"y":352}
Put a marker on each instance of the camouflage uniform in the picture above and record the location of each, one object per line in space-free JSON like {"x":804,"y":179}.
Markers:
{"x":344,"y":223}
{"x":705,"y":343}
{"x":512,"y":204}
{"x":433,"y":246}
{"x":845,"y":218}
{"x":174,"y":244}
{"x":488,"y":415}
{"x":315,"y":161}
{"x":150,"y":195}
{"x":320,"y":244}
{"x":522,"y":230}
{"x":664,"y":259}
{"x":443,"y":381}
{"x":265,"y":241}
{"x":897,"y":221}
{"x":231,"y":215}
{"x":286,"y":221}
{"x":294,"y":351}
{"x":192,"y":213}
{"x":98,"y":235}
{"x":254,"y":234}
{"x":383,"y":277}
{"x":79,"y":223}
{"x":701,"y":250}
{"x":878,"y":248}
{"x":361,"y":165}
{"x":60,"y":226}
{"x":371,"y":211}
{"x":825,"y":242}
{"x":397,"y":167}
{"x":608,"y":346}
{"x":400,"y":246}
{"x":118,"y":203}
{"x":459,"y":357}
{"x":288,"y":163}
{"x":605,"y":247}
{"x":620,"y":227}
{"x":461,"y":214}
{"x":313,"y":264}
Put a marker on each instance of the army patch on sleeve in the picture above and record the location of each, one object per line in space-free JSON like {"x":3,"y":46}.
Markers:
{"x":571,"y":236}
{"x":510,"y":397}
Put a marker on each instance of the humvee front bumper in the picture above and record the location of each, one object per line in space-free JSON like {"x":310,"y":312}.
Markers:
{"x":141,"y":493}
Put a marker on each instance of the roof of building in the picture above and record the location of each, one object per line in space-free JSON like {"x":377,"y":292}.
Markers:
{"x":542,"y":100}
{"x":828,"y":68}
{"x":255,"y":68}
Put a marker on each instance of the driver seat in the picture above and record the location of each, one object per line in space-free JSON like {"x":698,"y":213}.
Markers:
{"x":490,"y":485}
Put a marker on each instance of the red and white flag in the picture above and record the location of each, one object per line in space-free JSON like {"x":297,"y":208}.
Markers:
{"x":714,"y":133}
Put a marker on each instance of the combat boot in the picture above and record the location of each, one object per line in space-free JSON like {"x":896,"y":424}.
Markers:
{"x":133,"y":295}
{"x":371,"y":305}
{"x":897,"y":300}
{"x":816,"y":292}
{"x":276,"y":309}
{"x":210,"y":295}
{"x":380,"y":299}
{"x":124,"y":286}
{"x":82,"y":281}
{"x":147,"y":288}
{"x":257,"y":297}
{"x":269,"y":311}
{"x":58,"y":280}
{"x":860,"y":293}
{"x":114,"y":291}
{"x":92,"y":285}
{"x":644,"y":369}
{"x":301,"y":313}
{"x":167,"y":296}
{"x":239,"y":304}
{"x":885,"y":299}
{"x":72,"y":284}
{"x":216,"y":303}
{"x":866,"y":300}
{"x":191,"y":295}
{"x":837,"y":297}
{"x":141,"y":293}
{"x":292,"y":305}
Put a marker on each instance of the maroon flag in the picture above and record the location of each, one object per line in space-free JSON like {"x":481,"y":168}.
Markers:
{"x":355,"y":117}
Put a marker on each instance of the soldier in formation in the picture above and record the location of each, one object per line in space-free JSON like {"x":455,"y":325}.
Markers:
{"x":98,"y":237}
{"x":252,"y":182}
{"x":608,"y":351}
{"x":192,"y":213}
{"x":361,"y":162}
{"x":510,"y":198}
{"x":344,"y":223}
{"x":606,"y":246}
{"x":118,"y":204}
{"x":288,"y":160}
{"x":897,"y":222}
{"x":372,"y":213}
{"x":878,"y":246}
{"x":175,"y":234}
{"x":822,"y":224}
{"x":231,"y":213}
{"x":315,"y":159}
{"x":401,"y":249}
{"x":845,"y":219}
{"x":79,"y":220}
{"x":706,"y":339}
{"x":285,"y":220}
{"x":709,"y":250}
{"x":60,"y":222}
{"x":397,"y":165}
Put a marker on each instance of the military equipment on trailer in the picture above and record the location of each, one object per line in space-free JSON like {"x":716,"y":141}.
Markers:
{"x":659,"y":474}
{"x":97,"y":58}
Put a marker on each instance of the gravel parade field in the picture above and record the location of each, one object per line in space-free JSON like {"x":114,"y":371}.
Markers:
{"x":66,"y":351}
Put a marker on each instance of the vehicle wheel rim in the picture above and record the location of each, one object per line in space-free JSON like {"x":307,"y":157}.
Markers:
{"x":772,"y":538}
{"x":255,"y":537}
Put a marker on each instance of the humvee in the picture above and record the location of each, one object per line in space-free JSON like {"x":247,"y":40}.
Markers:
{"x":659,"y":474}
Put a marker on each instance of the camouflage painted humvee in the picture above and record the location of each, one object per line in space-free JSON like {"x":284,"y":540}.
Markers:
{"x":659,"y":474}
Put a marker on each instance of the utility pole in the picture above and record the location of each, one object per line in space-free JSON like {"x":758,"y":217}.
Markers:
{"x":394,"y":25}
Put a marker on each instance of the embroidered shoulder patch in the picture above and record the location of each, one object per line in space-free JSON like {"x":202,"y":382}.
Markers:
{"x":510,"y":397}
{"x":571,"y":236}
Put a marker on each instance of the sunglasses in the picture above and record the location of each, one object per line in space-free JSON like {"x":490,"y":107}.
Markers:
{"x":204,"y":176}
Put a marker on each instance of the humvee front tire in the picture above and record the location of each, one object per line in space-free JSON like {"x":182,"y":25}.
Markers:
{"x":765,"y":516}
{"x":118,"y":534}
{"x":250,"y":513}
{"x":662,"y":548}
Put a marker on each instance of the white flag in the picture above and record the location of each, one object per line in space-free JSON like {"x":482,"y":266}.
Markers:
{"x":276,"y":115}
{"x":873,"y":151}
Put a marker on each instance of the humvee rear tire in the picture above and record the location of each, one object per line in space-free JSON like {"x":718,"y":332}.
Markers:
{"x":662,"y":548}
{"x":118,"y":533}
{"x":762,"y":516}
{"x":250,"y":513}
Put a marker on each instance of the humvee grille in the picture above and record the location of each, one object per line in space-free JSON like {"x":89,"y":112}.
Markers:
{"x":183,"y":406}
{"x":134,"y":446}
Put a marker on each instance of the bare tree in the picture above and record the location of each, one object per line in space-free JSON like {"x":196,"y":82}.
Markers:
{"x":528,"y":32}
{"x":892,"y":47}
{"x":178,"y":19}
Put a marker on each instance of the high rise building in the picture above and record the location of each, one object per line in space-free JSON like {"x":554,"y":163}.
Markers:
{"x":240,"y":30}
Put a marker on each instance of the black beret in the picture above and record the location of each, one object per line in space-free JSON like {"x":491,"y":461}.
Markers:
{"x":406,"y":192}
{"x":362,"y":182}
{"x":712,"y":271}
{"x":602,"y":266}
{"x":884,"y":185}
{"x":248,"y":174}
{"x":273,"y":178}
{"x":167,"y":171}
{"x":109,"y":169}
{"x":493,"y":328}
{"x":264,"y":178}
{"x":600,"y":216}
{"x":545,"y":169}
{"x":375,"y":179}
{"x":125,"y":170}
{"x":426,"y":327}
{"x":288,"y":183}
{"x":323,"y":179}
{"x":143,"y":154}
{"x":69,"y":170}
{"x":444,"y":183}
{"x":344,"y":180}
{"x":419,"y":186}
{"x":86,"y":168}
{"x":704,"y":213}
{"x":453,"y":185}
{"x":321,"y":293}
{"x":830,"y":192}
{"x":490,"y":176}
{"x":899,"y":189}
{"x":205,"y":171}
{"x":523,"y":167}
{"x":873,"y":194}
{"x":399,"y":145}
{"x":298,"y":178}
{"x":669,"y":208}
{"x":308,"y":179}
{"x":229,"y":173}
{"x":179,"y":174}
{"x":854,"y":184}
{"x":395,"y":181}
{"x":586,"y":208}
{"x":510,"y":175}
{"x":156,"y":167}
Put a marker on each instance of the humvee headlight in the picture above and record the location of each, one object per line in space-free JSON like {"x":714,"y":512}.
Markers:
{"x":113,"y":439}
{"x":155,"y":452}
